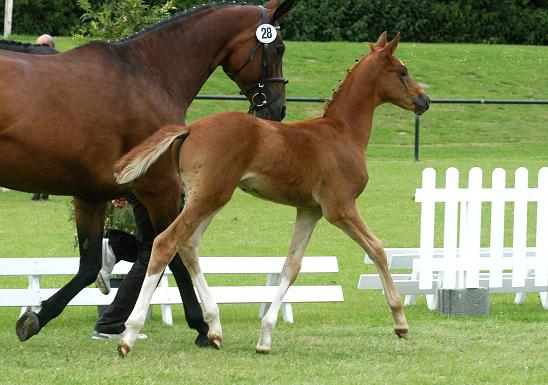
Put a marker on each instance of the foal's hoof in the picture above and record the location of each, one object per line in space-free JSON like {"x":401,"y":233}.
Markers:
{"x":402,"y":333}
{"x":27,"y":325}
{"x":261,"y":349}
{"x":215,"y":342}
{"x":123,"y":349}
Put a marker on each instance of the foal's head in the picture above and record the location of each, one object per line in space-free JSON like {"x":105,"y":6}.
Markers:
{"x":255,"y":62}
{"x":394,"y":83}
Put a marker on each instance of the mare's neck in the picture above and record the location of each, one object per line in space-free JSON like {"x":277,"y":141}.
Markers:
{"x":183,"y":53}
{"x":354,"y":102}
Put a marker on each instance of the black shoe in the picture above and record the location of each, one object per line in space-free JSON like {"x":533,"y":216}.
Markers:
{"x":202,"y":341}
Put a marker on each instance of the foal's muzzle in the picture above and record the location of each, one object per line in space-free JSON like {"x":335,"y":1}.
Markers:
{"x":421,"y":102}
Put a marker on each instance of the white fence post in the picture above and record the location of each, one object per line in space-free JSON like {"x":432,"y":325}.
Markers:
{"x":519,"y":268}
{"x":498,"y":184}
{"x":450,"y":229}
{"x":541,"y":258}
{"x":7,"y":18}
{"x":470,"y":259}
{"x":428,"y":205}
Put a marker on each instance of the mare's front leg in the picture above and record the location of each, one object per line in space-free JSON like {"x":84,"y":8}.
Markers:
{"x":304,"y":226}
{"x":350,"y":221}
{"x":90,"y":217}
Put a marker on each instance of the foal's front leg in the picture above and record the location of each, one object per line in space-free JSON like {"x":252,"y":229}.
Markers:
{"x":304,"y":225}
{"x":350,"y":221}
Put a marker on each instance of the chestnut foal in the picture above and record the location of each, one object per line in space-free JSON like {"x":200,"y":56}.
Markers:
{"x":317,"y":166}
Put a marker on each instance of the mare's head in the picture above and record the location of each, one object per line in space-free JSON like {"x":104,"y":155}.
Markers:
{"x":395,"y":85}
{"x":254,"y":62}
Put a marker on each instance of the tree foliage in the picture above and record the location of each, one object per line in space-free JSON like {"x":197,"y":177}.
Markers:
{"x":471,"y":21}
{"x":119,"y":19}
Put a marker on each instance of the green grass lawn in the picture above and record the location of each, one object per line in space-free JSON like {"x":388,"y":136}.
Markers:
{"x":345,"y":343}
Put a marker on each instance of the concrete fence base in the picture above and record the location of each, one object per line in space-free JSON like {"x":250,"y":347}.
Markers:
{"x":463,"y":302}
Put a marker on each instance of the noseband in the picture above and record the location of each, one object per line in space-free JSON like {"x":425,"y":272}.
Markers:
{"x":258,"y":94}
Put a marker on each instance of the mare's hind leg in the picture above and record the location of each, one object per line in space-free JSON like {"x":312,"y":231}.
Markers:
{"x":304,"y":225}
{"x":90,"y":217}
{"x":350,"y":221}
{"x":176,"y":236}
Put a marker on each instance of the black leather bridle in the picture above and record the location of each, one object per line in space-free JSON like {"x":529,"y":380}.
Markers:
{"x":258,"y":94}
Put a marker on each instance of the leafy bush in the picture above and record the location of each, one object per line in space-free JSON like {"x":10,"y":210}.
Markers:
{"x":115,"y":20}
{"x":119,"y":216}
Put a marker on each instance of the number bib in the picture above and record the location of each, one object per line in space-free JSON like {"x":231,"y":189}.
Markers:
{"x":266,"y":33}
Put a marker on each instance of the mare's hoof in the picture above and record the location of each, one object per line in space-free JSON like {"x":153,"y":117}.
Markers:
{"x":402,"y":333}
{"x":27,"y":325}
{"x":259,"y":349}
{"x":123,"y":349}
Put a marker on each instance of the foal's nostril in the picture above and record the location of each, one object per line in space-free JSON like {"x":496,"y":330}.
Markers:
{"x":421,"y":102}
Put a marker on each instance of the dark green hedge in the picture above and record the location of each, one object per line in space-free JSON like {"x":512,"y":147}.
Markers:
{"x":472,"y":21}
{"x":55,"y":17}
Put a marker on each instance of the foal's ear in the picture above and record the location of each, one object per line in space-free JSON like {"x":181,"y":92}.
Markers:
{"x":381,"y":42}
{"x":391,"y":47}
{"x":282,"y":9}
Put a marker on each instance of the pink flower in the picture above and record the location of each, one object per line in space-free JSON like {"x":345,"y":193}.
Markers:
{"x":119,"y":203}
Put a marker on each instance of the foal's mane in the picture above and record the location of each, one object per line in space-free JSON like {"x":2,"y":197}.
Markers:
{"x":183,"y":14}
{"x":342,"y":82}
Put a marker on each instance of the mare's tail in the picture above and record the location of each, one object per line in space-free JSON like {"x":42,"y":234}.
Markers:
{"x":136,"y":162}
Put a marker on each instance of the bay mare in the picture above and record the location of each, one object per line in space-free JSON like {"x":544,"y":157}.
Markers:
{"x":66,"y":118}
{"x":317,"y":166}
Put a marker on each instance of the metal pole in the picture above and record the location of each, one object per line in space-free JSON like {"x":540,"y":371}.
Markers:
{"x":417,"y":127}
{"x":7,"y":18}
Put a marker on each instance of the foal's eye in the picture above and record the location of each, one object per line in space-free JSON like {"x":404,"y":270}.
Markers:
{"x":403,"y":73}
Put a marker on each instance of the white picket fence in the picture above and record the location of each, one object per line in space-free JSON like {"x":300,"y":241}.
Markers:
{"x":462,"y":262}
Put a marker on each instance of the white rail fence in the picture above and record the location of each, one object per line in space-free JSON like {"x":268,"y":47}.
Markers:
{"x":462,"y":262}
{"x":165,"y":295}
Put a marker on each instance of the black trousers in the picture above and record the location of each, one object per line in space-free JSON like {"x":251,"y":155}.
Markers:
{"x":137,"y":249}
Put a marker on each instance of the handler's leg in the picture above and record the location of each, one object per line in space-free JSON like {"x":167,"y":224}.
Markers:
{"x":114,"y":318}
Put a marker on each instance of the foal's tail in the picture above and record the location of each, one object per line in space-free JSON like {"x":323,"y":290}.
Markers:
{"x":136,"y":162}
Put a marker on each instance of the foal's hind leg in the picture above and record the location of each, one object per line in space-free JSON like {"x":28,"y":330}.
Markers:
{"x":189,"y":254}
{"x":350,"y":221}
{"x":90,"y":217}
{"x":304,"y":225}
{"x":165,"y":246}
